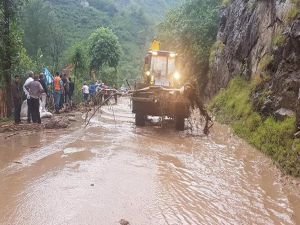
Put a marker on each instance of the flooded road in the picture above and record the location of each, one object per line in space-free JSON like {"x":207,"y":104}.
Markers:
{"x":148,"y":176}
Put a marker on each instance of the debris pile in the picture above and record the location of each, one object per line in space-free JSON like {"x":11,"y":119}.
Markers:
{"x":11,"y":127}
{"x":57,"y":123}
{"x":124,"y":222}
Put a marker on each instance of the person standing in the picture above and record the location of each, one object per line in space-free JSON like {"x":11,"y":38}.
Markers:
{"x":115,"y":94}
{"x":85,"y":92}
{"x":106,"y":92}
{"x":92,"y":90}
{"x":58,"y":86}
{"x":62,"y":95}
{"x":66,"y":82}
{"x":17,"y":98}
{"x":71,"y":89}
{"x":35,"y":90}
{"x":29,"y":107}
{"x":45,"y":93}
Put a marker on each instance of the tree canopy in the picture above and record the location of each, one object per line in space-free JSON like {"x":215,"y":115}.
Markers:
{"x":10,"y":44}
{"x":43,"y":33}
{"x":104,"y":49}
{"x":43,"y":36}
{"x":191,"y":30}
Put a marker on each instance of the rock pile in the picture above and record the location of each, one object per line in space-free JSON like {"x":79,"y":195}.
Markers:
{"x":57,"y":123}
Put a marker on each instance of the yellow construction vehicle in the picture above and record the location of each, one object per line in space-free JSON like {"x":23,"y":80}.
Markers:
{"x":159,"y":93}
{"x":162,"y":92}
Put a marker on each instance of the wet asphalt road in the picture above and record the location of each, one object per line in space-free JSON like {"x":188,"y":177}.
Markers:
{"x":147,"y":176}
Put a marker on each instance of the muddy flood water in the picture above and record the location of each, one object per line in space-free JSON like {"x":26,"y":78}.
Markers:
{"x":112,"y":170}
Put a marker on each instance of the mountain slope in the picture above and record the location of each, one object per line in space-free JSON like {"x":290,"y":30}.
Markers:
{"x":133,"y":22}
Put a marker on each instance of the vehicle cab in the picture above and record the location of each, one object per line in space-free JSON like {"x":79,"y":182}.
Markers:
{"x":160,"y":69}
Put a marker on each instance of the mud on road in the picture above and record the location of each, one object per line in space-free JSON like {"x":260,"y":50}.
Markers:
{"x":152,"y":175}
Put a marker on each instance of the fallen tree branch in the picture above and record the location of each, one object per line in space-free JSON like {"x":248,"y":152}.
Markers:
{"x":191,"y":93}
{"x":96,"y":110}
{"x":8,"y":136}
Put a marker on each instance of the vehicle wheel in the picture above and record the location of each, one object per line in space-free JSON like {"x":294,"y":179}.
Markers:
{"x":179,"y":123}
{"x":139,"y":120}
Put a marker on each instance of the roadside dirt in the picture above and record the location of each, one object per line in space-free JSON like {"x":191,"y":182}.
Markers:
{"x":63,"y":120}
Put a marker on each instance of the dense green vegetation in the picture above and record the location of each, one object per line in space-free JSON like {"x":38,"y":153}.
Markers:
{"x":46,"y":33}
{"x":293,"y":11}
{"x":275,"y":138}
{"x":132,"y":21}
{"x":43,"y":37}
{"x":12,"y":54}
{"x":104,"y":49}
{"x":191,"y":30}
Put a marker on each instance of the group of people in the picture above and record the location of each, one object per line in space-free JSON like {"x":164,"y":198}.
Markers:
{"x":91,"y":91}
{"x":35,"y":89}
{"x":63,"y":90}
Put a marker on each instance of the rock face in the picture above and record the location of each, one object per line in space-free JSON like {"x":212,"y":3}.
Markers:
{"x":260,"y":40}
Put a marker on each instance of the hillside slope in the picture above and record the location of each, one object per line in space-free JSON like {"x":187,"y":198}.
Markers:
{"x":260,"y":40}
{"x":133,"y":22}
{"x":257,"y":60}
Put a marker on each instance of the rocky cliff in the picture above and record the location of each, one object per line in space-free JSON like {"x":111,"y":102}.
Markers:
{"x":260,"y":40}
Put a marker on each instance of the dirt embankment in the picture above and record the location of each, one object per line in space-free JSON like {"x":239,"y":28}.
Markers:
{"x":60,"y":121}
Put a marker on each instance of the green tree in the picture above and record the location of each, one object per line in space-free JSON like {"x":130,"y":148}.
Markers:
{"x":24,"y":62}
{"x":191,"y":30}
{"x":8,"y":51}
{"x":56,"y":46}
{"x":78,"y":59}
{"x":42,"y":33}
{"x":104,"y":49}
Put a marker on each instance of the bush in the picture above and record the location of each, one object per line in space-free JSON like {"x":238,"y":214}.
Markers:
{"x":265,"y":62}
{"x":226,"y":3}
{"x":274,"y":138}
{"x":278,"y":40}
{"x":292,"y":14}
{"x":294,"y":11}
{"x":232,"y":104}
{"x":217,"y":46}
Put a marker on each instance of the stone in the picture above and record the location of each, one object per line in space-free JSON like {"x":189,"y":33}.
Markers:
{"x":267,"y":108}
{"x":297,"y":134}
{"x":72,"y":119}
{"x":283,"y":113}
{"x":124,"y":222}
{"x":57,"y":123}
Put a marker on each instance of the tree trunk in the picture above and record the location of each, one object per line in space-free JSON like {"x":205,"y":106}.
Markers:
{"x":3,"y":104}
{"x":7,"y":63}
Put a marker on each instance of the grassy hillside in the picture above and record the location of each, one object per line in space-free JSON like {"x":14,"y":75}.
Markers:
{"x":275,"y":138}
{"x":133,"y":21}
